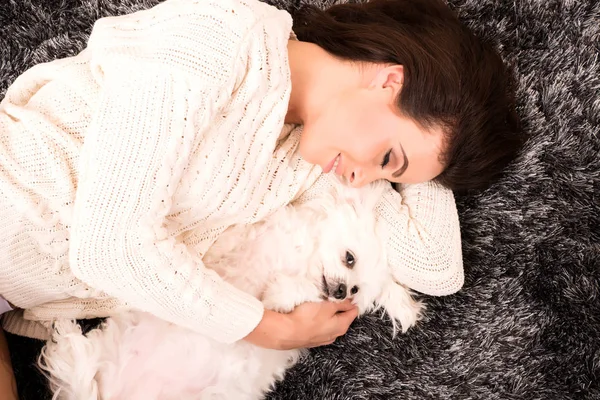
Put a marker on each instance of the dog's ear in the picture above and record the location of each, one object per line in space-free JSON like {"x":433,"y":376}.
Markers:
{"x":340,"y":188}
{"x":364,"y":198}
{"x":398,"y":303}
{"x":317,"y":208}
{"x":343,"y":193}
{"x":371,"y":194}
{"x":328,"y":189}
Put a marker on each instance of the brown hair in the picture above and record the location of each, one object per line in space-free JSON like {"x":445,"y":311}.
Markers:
{"x":452,"y":79}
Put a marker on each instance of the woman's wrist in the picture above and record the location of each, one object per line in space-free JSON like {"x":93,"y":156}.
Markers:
{"x":310,"y":324}
{"x":274,"y":331}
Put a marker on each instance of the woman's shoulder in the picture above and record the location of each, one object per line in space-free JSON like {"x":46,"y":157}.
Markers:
{"x":184,"y":33}
{"x":237,"y":15}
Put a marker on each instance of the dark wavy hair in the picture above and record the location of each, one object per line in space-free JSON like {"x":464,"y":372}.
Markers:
{"x":452,"y":79}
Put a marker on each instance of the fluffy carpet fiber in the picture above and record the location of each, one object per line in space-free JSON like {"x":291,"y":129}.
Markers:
{"x":527,"y":323}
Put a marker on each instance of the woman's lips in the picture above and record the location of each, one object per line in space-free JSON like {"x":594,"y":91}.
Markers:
{"x":327,"y":169}
{"x":338,"y":168}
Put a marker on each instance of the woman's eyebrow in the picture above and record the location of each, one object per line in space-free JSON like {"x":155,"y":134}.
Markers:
{"x":402,"y":169}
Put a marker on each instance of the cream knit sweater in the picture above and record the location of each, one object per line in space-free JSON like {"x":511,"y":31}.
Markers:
{"x":119,"y":168}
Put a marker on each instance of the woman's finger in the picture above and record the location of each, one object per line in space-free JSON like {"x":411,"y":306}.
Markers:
{"x":344,"y":306}
{"x":345,"y":318}
{"x":325,"y":343}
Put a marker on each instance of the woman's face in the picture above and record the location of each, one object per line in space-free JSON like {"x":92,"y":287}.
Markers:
{"x":363,"y":132}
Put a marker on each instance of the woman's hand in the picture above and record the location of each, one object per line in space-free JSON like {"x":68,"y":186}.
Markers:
{"x":308,"y":325}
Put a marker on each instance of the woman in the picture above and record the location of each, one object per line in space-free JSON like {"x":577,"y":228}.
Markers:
{"x":8,"y":386}
{"x":121,"y":166}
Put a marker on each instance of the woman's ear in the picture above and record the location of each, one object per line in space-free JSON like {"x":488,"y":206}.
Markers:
{"x":390,"y":78}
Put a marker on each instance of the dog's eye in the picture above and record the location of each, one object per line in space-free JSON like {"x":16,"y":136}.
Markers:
{"x":350,"y":259}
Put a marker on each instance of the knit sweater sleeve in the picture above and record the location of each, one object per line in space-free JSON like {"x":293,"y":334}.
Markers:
{"x":424,"y":241}
{"x":158,"y":98}
{"x":422,"y":234}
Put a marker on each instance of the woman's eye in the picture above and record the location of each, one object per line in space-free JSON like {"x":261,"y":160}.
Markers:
{"x":350,"y":260}
{"x":386,"y":159}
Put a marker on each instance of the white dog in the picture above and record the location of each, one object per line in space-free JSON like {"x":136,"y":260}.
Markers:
{"x":327,"y":247}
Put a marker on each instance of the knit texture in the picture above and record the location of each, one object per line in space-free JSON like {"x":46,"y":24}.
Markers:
{"x":423,"y":246}
{"x":121,"y":166}
{"x":525,"y":325}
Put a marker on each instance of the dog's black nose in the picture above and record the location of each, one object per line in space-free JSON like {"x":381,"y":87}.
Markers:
{"x":340,"y":292}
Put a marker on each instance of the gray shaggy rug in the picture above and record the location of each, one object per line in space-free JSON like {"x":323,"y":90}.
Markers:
{"x":527,"y":323}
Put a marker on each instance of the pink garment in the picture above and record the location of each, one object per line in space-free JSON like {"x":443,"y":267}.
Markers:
{"x":4,"y":306}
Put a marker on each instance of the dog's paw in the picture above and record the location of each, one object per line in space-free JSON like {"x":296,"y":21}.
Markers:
{"x":399,"y":304}
{"x":284,"y":293}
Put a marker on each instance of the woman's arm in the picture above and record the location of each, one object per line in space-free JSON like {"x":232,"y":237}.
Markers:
{"x":424,"y":241}
{"x":166,"y":74}
{"x":136,"y":149}
{"x":119,"y":245}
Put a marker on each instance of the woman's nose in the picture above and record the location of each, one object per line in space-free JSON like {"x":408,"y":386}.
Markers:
{"x":357,"y":177}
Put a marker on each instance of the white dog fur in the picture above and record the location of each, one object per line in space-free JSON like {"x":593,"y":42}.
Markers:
{"x":298,"y":254}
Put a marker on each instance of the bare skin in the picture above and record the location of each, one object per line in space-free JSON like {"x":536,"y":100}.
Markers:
{"x":349,"y":112}
{"x":8,"y":386}
{"x":309,"y":325}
